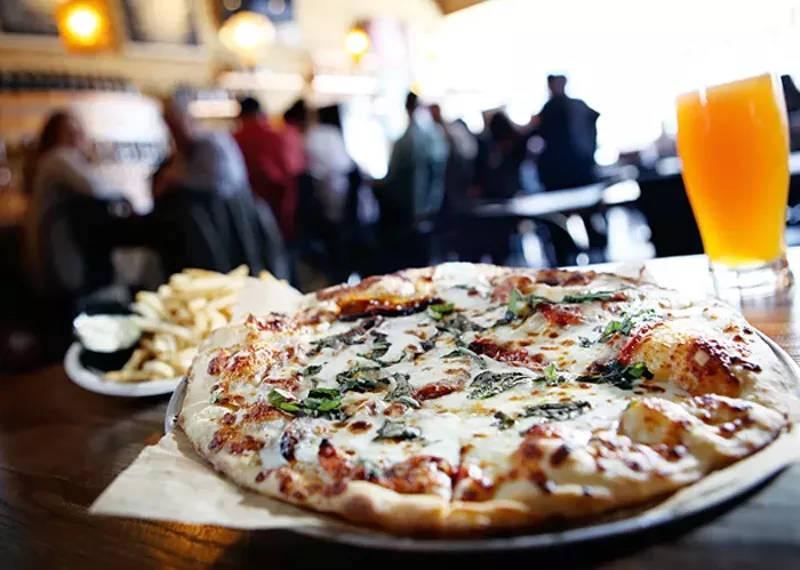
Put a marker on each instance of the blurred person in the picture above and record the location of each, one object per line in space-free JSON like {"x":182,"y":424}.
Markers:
{"x":413,"y":188}
{"x":460,"y":160}
{"x":67,"y":230}
{"x":269,"y":166}
{"x":202,"y":160}
{"x":412,"y":192}
{"x":329,"y":164}
{"x":503,"y":150}
{"x":569,"y":129}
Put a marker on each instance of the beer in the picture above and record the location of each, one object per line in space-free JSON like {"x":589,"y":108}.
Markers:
{"x":734,"y":145}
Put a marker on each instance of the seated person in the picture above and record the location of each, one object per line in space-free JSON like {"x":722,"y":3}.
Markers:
{"x":329,"y":163}
{"x":204,"y":160}
{"x":263,"y":153}
{"x":67,"y":233}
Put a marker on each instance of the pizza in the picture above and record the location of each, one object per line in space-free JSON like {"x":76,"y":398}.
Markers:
{"x":468,"y":398}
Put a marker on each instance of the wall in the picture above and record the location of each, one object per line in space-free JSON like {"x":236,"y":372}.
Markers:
{"x":322,"y":23}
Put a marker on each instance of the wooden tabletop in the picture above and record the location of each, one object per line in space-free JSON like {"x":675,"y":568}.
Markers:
{"x":60,"y":446}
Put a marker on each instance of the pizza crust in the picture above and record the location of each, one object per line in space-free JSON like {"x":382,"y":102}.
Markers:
{"x":521,"y":504}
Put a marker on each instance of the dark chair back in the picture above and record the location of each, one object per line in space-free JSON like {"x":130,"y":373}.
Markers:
{"x":666,"y":207}
{"x":219,"y":233}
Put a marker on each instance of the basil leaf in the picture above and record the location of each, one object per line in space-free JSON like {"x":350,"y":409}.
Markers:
{"x":330,"y":405}
{"x":584,"y":342}
{"x":504,"y":421}
{"x":291,"y":407}
{"x":278,"y":396}
{"x":438,"y":311}
{"x":488,"y":384}
{"x":398,"y":430}
{"x":402,"y":391}
{"x":459,"y":324}
{"x":617,"y":374}
{"x":588,"y":297}
{"x":464,"y":351}
{"x":517,"y":303}
{"x":324,"y":393}
{"x":550,"y":373}
{"x":359,"y":372}
{"x":362,"y":385}
{"x":408,"y":401}
{"x":311,"y":370}
{"x":350,"y":337}
{"x":319,"y":401}
{"x":557,"y":411}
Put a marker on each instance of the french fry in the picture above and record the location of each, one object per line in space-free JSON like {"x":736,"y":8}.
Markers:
{"x":159,"y":369}
{"x":194,"y":272}
{"x":241,"y":271}
{"x":133,"y":376}
{"x":216,"y":320}
{"x":177,"y":317}
{"x":145,"y":311}
{"x":223,"y":302}
{"x":197,"y":304}
{"x":135,"y":360}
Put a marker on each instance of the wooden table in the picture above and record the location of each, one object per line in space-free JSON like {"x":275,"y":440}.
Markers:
{"x":60,"y":446}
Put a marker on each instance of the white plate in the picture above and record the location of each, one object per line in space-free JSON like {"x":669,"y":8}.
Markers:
{"x":93,"y":381}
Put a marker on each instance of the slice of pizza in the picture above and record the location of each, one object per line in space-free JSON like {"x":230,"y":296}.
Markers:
{"x":468,"y":398}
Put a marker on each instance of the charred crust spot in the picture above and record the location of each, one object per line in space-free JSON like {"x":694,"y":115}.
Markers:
{"x":435,"y":390}
{"x":352,"y":309}
{"x":560,"y":315}
{"x":262,"y":475}
{"x":419,"y":475}
{"x":554,"y":334}
{"x":260,"y":412}
{"x":636,"y":340}
{"x":235,"y":441}
{"x":274,"y":322}
{"x":359,"y":426}
{"x":557,"y":277}
{"x":504,"y":353}
{"x":560,"y":455}
{"x":730,"y":328}
{"x":394,"y":410}
{"x":218,"y":363}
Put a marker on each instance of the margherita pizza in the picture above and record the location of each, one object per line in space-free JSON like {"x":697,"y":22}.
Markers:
{"x":466,"y":398}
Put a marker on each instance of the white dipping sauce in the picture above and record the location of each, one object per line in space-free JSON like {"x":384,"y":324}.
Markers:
{"x":106,"y":333}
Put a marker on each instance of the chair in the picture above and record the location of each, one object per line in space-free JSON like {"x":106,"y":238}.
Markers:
{"x":665,"y":205}
{"x":210,"y":231}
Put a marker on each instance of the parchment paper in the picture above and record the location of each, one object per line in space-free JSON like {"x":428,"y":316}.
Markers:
{"x":169,"y":481}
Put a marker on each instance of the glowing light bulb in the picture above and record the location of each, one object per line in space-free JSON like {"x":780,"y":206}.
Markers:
{"x":247,"y":32}
{"x":84,"y":22}
{"x":84,"y":25}
{"x":356,"y":43}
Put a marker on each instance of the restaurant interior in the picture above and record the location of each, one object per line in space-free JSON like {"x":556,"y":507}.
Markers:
{"x":158,"y":155}
{"x":114,"y":65}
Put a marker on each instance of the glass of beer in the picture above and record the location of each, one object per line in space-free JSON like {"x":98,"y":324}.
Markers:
{"x":733,"y":141}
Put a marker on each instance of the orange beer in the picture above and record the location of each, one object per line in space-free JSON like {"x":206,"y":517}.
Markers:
{"x":734,"y":144}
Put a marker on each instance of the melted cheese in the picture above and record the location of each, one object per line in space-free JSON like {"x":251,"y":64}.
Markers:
{"x":461,"y":428}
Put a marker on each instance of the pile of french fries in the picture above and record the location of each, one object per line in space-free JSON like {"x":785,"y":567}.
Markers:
{"x":177,"y":318}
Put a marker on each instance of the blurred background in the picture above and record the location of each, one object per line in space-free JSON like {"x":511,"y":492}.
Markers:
{"x":328,"y":140}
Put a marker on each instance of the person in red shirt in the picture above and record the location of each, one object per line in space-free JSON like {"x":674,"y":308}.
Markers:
{"x":270,"y":164}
